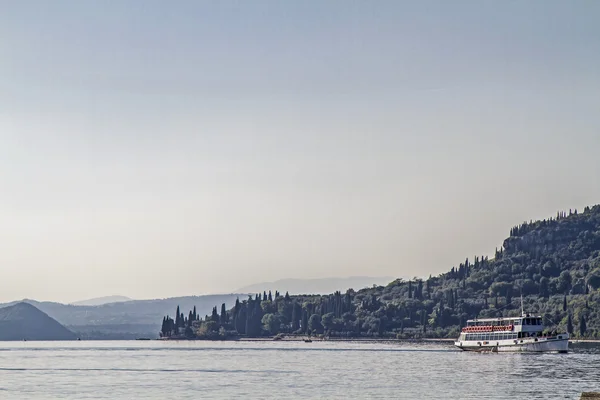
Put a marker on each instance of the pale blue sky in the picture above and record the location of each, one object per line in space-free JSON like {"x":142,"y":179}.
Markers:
{"x":153,"y":148}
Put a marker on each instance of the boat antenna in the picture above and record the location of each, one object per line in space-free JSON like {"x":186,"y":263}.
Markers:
{"x":522,"y":312}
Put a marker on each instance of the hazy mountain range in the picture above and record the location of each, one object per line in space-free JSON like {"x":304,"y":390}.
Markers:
{"x":317,"y":286}
{"x":124,"y":320}
{"x":98,"y":301}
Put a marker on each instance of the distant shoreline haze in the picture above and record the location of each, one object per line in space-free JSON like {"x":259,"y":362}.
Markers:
{"x":317,"y":285}
{"x":292,"y":285}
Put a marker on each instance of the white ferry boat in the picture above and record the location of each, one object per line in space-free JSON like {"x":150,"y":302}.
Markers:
{"x":524,"y":333}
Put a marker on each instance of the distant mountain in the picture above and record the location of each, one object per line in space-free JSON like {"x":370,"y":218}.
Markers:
{"x":317,"y":286}
{"x":24,"y":321}
{"x":125,"y":320}
{"x":98,"y":301}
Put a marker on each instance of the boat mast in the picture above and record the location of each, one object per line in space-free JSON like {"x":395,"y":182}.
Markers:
{"x":522,"y":312}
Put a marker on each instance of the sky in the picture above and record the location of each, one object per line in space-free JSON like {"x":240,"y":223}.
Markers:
{"x":155,"y":149}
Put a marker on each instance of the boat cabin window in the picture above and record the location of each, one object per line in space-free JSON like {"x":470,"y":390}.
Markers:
{"x":490,"y":336}
{"x":532,"y":321}
{"x":517,"y":322}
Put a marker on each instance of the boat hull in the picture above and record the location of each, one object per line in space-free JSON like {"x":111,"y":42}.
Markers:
{"x":555,"y":345}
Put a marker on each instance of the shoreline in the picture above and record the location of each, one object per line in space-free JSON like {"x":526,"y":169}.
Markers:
{"x":338,"y":339}
{"x":575,"y":341}
{"x":313,"y":339}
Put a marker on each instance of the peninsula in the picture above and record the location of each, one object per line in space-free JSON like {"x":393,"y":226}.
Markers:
{"x":554,"y":263}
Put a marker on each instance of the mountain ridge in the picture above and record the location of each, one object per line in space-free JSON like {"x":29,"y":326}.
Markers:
{"x":98,"y":301}
{"x":315,"y":285}
{"x":23,"y":321}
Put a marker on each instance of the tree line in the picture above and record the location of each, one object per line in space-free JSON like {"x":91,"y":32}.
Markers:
{"x":554,"y":263}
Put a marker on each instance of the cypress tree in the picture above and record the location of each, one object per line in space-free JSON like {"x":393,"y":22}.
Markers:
{"x":240,"y":319}
{"x":304,"y":326}
{"x":270,"y":296}
{"x":410,"y":289}
{"x":248,"y":319}
{"x":287,"y":296}
{"x":569,"y":325}
{"x":177,"y":320}
{"x":224,"y":318}
{"x":565,"y":303}
{"x":235,"y":312}
{"x":194,"y":314}
{"x":381,"y":326}
{"x":295,"y":326}
{"x":257,"y":319}
{"x":419,"y":290}
{"x":582,"y":325}
{"x":348,"y":302}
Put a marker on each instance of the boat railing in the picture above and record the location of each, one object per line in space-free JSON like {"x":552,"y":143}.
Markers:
{"x":487,"y":328}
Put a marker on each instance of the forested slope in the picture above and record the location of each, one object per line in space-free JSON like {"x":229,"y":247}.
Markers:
{"x":553,"y":263}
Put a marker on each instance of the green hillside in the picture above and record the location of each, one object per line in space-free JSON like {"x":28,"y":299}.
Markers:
{"x":553,"y":263}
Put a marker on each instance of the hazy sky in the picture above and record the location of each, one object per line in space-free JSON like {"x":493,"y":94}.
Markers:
{"x":154,"y":148}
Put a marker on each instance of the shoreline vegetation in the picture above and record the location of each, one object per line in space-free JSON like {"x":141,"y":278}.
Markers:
{"x":298,"y":338}
{"x":553,"y":263}
{"x":338,"y":339}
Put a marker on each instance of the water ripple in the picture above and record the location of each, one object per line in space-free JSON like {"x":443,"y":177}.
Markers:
{"x":290,"y":370}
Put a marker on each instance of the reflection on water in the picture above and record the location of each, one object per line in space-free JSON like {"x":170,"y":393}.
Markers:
{"x":290,"y":370}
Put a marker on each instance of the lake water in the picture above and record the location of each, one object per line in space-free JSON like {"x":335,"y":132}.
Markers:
{"x":287,"y":370}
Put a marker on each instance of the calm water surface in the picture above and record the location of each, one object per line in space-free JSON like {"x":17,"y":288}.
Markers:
{"x":290,"y":370}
